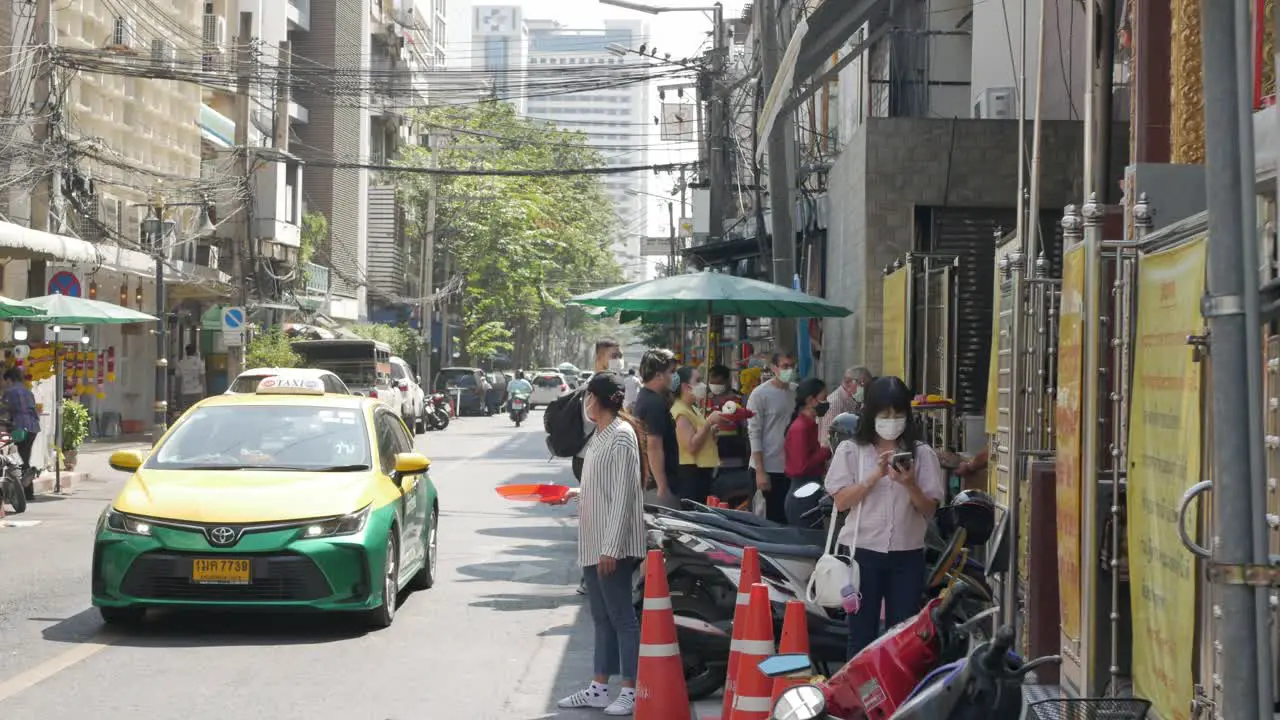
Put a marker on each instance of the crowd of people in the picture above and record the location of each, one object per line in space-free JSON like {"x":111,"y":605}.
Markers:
{"x":663,"y":433}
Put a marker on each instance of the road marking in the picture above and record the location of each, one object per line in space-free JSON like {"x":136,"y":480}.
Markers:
{"x":19,"y":523}
{"x":30,"y":678}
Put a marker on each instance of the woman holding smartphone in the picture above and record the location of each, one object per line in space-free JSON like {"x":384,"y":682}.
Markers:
{"x":892,"y":483}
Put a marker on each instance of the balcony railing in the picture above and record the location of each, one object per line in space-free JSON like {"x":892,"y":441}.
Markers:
{"x":317,"y":279}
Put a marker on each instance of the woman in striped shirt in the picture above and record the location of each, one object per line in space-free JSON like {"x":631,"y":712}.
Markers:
{"x":611,"y":543}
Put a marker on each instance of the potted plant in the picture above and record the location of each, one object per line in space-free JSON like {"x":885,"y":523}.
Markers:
{"x":75,"y":429}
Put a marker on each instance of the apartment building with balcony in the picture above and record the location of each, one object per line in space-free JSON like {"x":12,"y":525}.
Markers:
{"x":327,"y":40}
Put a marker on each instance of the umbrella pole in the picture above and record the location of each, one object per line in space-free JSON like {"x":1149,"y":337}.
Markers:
{"x":706,"y":360}
{"x":57,"y":417}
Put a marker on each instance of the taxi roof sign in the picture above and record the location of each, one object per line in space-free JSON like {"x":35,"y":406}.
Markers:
{"x":277,"y":385}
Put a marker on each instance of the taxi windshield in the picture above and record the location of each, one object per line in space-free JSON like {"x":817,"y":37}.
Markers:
{"x":266,"y":437}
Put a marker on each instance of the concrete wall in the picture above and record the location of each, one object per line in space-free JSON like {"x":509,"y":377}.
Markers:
{"x":892,"y":166}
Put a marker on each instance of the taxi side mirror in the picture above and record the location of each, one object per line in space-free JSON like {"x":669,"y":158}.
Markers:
{"x":411,"y":463}
{"x":126,"y":460}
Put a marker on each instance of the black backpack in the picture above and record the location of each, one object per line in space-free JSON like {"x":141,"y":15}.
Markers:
{"x":565,"y":426}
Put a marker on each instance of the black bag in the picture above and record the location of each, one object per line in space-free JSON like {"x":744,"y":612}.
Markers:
{"x":565,"y":426}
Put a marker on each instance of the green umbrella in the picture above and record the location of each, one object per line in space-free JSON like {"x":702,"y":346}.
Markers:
{"x":83,"y":311}
{"x":711,"y":293}
{"x":16,"y":309}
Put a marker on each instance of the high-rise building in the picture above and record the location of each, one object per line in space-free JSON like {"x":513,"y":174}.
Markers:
{"x":500,"y":47}
{"x":614,"y":115}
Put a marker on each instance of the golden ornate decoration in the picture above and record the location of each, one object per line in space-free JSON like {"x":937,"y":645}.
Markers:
{"x":1186,"y":86}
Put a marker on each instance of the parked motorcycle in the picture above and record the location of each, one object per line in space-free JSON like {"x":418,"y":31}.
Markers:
{"x":437,"y":412}
{"x":16,"y":486}
{"x":703,"y":551}
{"x":518,"y":408}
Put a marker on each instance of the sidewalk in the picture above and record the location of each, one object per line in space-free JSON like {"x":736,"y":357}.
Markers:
{"x":91,"y":462}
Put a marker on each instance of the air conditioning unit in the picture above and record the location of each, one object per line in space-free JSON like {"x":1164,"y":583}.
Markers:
{"x":163,"y":53}
{"x":215,"y":32}
{"x":996,"y":103}
{"x":124,"y":33}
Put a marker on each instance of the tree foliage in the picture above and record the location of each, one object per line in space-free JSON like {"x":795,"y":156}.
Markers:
{"x":404,"y":340}
{"x":522,"y":244}
{"x":315,"y":232}
{"x":271,"y":348}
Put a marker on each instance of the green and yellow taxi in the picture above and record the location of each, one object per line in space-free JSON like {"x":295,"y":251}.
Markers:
{"x":286,"y":498}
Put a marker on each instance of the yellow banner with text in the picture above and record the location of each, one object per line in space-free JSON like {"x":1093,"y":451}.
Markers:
{"x":1067,"y":424}
{"x":1164,"y":460}
{"x":893,"y":360}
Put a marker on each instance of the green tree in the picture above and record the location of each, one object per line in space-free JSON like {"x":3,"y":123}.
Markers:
{"x":315,"y":233}
{"x":404,"y":341}
{"x":271,"y":348}
{"x":523,"y":245}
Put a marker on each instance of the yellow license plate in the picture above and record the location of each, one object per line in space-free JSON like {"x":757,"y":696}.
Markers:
{"x":221,"y":572}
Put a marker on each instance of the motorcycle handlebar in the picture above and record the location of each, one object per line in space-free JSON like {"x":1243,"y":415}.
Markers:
{"x":823,"y":506}
{"x":994,"y":657}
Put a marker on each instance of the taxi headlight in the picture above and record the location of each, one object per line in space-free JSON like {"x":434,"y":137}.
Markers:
{"x":345,"y":525}
{"x":116,"y":521}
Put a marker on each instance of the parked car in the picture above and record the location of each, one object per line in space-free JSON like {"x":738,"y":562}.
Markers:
{"x":470,"y":381}
{"x":246,"y":383}
{"x":364,"y":365}
{"x":412,"y":397}
{"x":547,"y":386}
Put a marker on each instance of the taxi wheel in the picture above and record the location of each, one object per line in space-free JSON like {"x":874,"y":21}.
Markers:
{"x":426,"y":577}
{"x":383,"y":615}
{"x":122,"y":615}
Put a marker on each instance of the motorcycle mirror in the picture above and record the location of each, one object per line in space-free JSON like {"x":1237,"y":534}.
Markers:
{"x":807,"y":490}
{"x":787,"y":664}
{"x":802,"y":702}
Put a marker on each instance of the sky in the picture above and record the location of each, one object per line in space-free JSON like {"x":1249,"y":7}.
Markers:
{"x":683,"y":34}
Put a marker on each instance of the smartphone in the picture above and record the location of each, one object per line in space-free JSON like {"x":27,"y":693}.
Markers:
{"x":902,"y":460}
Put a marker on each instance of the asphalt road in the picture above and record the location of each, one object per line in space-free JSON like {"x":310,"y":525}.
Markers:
{"x":503,"y":633}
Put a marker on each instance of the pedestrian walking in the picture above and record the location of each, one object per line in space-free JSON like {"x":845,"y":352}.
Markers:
{"x":611,"y":544}
{"x":190,"y":372}
{"x":847,"y":397}
{"x":891,"y":505}
{"x":24,"y":421}
{"x":806,"y":456}
{"x":632,"y":383}
{"x":773,"y":402}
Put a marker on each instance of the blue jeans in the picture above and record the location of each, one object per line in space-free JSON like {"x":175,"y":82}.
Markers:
{"x":617,"y":650}
{"x":895,"y":579}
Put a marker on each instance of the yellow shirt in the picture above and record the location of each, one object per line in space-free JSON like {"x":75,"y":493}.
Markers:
{"x":708,"y":456}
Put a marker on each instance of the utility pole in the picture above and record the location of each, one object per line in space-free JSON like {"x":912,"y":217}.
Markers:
{"x":156,"y":232}
{"x":244,"y":61}
{"x":671,"y":218}
{"x":44,"y":196}
{"x":1231,"y":311}
{"x":782,"y":162}
{"x":716,"y":166}
{"x":426,"y":289}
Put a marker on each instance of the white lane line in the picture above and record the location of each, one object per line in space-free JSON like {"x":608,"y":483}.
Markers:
{"x":30,"y":678}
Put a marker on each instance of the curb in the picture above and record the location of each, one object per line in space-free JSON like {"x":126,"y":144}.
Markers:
{"x":44,"y":483}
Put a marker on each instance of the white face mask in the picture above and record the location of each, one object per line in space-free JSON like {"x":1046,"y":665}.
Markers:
{"x":890,"y":428}
{"x":717,"y":389}
{"x":700,"y":390}
{"x":617,"y":364}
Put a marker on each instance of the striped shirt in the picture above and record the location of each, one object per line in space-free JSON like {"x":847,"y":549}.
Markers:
{"x":611,"y":504}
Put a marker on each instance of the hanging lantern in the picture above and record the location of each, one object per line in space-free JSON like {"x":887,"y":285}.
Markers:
{"x":137,"y":297}
{"x":93,"y":289}
{"x":124,"y":293}
{"x":111,"y":364}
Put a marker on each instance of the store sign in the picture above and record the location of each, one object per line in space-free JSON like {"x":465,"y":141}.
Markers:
{"x":894,"y":321}
{"x":1067,"y":425}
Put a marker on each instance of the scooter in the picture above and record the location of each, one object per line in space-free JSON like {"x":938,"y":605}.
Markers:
{"x":518,"y":408}
{"x":16,"y":486}
{"x":437,"y":412}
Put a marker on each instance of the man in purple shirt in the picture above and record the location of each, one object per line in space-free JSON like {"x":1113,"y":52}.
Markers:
{"x":24,"y":423}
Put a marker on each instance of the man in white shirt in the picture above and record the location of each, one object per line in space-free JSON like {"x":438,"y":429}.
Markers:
{"x":631,"y":388}
{"x":190,"y":373}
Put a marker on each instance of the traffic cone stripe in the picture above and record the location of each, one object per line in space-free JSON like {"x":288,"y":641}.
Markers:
{"x":752,"y":704}
{"x":752,"y":647}
{"x":744,"y":598}
{"x":657,"y":603}
{"x":657,"y":650}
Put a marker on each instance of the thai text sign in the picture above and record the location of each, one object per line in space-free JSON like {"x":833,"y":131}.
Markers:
{"x":1164,"y":460}
{"x":894,"y":317}
{"x":1067,"y":423}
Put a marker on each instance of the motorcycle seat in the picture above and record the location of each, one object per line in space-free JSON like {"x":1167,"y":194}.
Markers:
{"x":780,"y":535}
{"x":773,"y":549}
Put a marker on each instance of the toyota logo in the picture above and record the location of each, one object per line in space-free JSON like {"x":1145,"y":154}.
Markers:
{"x":222,"y":535}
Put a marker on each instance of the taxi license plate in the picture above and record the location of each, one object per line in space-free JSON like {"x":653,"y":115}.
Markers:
{"x":220,"y":572}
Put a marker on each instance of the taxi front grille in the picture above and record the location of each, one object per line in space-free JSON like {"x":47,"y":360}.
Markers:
{"x":281,"y":577}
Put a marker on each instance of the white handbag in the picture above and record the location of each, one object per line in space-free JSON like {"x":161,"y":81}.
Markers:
{"x":834,"y":572}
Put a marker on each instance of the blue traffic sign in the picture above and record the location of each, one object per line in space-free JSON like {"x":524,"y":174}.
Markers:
{"x":64,"y":283}
{"x":233,"y":319}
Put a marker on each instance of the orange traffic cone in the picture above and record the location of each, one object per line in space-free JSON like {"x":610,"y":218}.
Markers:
{"x":795,"y":639}
{"x":750,"y":576}
{"x":752,"y":689}
{"x":660,"y":690}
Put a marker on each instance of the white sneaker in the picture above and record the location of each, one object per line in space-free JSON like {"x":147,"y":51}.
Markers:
{"x":593,"y":696}
{"x":624,"y":705}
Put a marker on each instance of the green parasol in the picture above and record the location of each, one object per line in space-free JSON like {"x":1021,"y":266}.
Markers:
{"x":710,"y":293}
{"x":10,"y":309}
{"x":71,"y":310}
